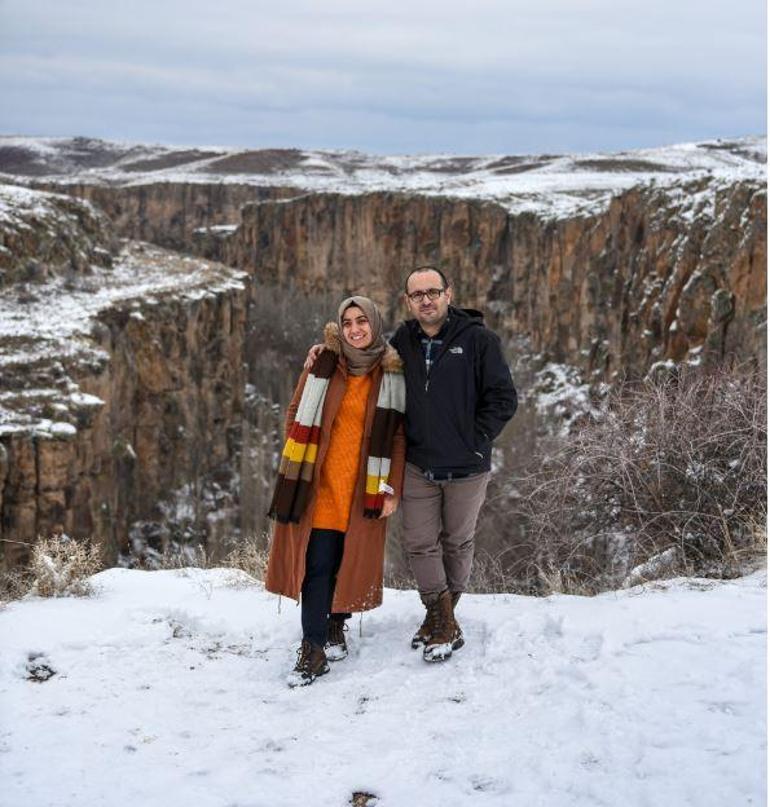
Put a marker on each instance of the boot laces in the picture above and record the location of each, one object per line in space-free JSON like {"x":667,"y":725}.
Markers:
{"x":303,"y":657}
{"x":432,"y":617}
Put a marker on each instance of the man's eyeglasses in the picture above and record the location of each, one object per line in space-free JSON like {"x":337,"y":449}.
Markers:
{"x":431,"y":294}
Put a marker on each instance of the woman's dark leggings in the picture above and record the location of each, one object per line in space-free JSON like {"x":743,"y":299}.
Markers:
{"x":322,"y":562}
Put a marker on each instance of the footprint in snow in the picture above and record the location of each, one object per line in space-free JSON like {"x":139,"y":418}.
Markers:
{"x":553,"y":627}
{"x":488,"y":784}
{"x":725,"y":707}
{"x":590,"y":649}
{"x":363,"y":702}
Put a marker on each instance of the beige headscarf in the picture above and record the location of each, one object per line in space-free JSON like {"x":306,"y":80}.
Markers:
{"x":361,"y":360}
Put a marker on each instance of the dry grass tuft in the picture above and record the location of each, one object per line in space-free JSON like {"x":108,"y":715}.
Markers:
{"x":250,"y":556}
{"x":60,"y":567}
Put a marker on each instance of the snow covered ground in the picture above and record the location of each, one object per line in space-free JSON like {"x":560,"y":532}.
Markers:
{"x":169,"y":690}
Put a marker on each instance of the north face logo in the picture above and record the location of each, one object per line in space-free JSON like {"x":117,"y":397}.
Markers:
{"x":457,"y":349}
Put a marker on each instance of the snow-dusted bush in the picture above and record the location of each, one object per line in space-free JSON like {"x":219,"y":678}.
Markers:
{"x":60,"y":567}
{"x":670,"y":478}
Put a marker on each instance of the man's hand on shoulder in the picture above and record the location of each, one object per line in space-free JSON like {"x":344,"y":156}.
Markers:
{"x":312,"y":355}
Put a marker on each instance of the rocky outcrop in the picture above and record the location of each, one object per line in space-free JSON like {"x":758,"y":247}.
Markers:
{"x":121,"y":398}
{"x":45,"y":234}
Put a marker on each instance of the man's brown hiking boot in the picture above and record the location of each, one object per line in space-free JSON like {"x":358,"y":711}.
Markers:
{"x":336,"y":647}
{"x":423,"y":633}
{"x":311,"y":662}
{"x":447,"y":633}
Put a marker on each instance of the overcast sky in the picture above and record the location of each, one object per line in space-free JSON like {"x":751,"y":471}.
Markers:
{"x":492,"y":76}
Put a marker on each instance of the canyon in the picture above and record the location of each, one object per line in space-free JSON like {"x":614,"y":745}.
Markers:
{"x":155,"y":303}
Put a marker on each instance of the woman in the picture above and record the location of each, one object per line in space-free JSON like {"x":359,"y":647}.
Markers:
{"x":339,"y":479}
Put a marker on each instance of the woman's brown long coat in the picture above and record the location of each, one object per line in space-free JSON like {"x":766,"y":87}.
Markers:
{"x":359,"y":580}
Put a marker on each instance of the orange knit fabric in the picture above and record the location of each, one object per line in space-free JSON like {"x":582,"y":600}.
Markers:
{"x":340,"y":468}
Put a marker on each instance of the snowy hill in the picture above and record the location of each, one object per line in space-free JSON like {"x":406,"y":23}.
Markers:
{"x":168,"y":689}
{"x":551,"y":185}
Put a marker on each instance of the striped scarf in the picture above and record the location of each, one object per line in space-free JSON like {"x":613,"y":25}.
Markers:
{"x":297,"y":466}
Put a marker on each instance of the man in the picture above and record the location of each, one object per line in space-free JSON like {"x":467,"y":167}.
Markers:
{"x":459,"y":396}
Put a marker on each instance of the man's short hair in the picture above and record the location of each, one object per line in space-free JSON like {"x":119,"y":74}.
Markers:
{"x":428,"y":268}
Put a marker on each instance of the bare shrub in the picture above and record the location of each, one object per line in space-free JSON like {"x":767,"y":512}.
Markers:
{"x":398,"y":578}
{"x":282,"y":324}
{"x":289,"y":320}
{"x":672,"y":475}
{"x":492,"y":574}
{"x":249,"y":555}
{"x":60,"y":567}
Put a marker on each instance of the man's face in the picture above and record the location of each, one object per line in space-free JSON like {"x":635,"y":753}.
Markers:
{"x":429,"y":313}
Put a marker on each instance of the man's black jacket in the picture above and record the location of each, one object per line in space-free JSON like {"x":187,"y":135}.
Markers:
{"x":454,"y":412}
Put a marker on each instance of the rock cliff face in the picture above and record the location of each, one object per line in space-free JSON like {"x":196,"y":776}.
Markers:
{"x":167,"y":213}
{"x":121,"y":399}
{"x":656,"y":276}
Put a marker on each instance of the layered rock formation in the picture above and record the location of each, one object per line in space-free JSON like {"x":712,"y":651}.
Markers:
{"x":168,"y":213}
{"x":120,"y":388}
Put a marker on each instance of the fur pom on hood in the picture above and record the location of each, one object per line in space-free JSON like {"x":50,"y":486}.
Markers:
{"x":332,"y":338}
{"x":391,"y":361}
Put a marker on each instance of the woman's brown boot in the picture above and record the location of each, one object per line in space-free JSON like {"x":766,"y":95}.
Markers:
{"x":311,"y":662}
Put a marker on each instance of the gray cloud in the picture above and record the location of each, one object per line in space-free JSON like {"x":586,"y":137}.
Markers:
{"x":425,"y":76}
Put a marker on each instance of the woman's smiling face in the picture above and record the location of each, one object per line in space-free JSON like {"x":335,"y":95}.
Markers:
{"x":356,"y":329}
